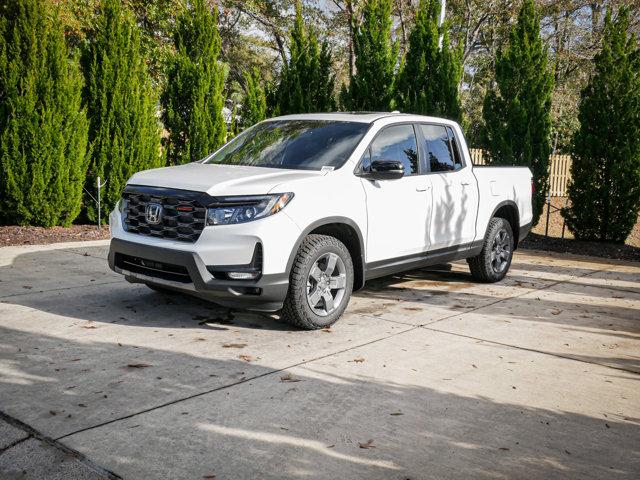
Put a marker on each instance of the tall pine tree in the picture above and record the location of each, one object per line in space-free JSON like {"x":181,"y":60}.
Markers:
{"x":517,"y":111}
{"x":371,"y":86}
{"x":428,"y":82}
{"x":193,"y":98}
{"x":43,"y":127}
{"x":254,"y":108}
{"x":605,"y":173}
{"x":124,"y":131}
{"x":306,"y":84}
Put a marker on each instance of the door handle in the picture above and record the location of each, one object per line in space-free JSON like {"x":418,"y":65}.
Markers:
{"x":464,"y":184}
{"x":422,"y":188}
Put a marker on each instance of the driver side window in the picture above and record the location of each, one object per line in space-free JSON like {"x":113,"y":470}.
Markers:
{"x":397,"y":142}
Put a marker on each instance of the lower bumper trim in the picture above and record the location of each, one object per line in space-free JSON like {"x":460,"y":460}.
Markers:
{"x":266,"y":294}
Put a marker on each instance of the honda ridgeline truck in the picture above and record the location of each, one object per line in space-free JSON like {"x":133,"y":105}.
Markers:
{"x":299,"y":211}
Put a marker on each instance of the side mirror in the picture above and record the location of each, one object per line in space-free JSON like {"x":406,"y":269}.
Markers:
{"x":385,"y":170}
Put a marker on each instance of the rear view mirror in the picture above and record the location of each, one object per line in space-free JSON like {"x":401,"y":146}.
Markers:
{"x":385,"y":170}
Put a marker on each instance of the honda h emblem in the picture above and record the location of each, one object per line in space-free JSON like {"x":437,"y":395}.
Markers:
{"x":153,"y":213}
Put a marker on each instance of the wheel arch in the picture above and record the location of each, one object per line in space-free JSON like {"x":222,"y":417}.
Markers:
{"x":345,"y":230}
{"x":508,"y":210}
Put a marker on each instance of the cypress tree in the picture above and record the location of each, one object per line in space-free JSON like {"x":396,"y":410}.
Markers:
{"x":517,"y":111}
{"x":371,"y":86}
{"x":605,"y":173}
{"x":254,"y":109}
{"x":193,"y":98}
{"x":43,"y":127}
{"x":306,"y":84}
{"x":428,"y":82}
{"x":124,"y":131}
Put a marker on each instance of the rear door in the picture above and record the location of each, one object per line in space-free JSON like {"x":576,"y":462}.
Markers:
{"x":455,"y":190}
{"x":398,"y":211}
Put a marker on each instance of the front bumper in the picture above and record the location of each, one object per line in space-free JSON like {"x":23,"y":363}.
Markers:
{"x":185,"y":271}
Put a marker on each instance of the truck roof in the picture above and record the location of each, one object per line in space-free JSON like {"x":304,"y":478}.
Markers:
{"x":361,"y":117}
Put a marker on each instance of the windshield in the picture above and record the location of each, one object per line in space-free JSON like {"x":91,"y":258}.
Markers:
{"x":294,"y":144}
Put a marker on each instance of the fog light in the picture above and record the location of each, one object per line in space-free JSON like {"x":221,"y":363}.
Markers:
{"x":243,"y":275}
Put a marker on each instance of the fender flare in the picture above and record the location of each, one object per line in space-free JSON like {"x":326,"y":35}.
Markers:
{"x":516,"y":231}
{"x":321,"y":223}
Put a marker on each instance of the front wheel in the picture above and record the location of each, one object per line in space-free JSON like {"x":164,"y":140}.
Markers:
{"x":320,"y":283}
{"x":492,"y":264}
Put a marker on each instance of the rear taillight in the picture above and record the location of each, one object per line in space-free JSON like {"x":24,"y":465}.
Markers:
{"x":533,"y":187}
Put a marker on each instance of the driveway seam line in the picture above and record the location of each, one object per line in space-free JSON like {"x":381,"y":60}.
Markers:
{"x":239,"y":382}
{"x":13,"y":444}
{"x":33,"y":433}
{"x":515,"y":296}
{"x":533,"y":350}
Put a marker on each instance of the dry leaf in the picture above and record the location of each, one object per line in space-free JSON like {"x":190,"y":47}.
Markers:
{"x":234,"y":345}
{"x":89,"y":326}
{"x":289,"y":378}
{"x":138,"y":365}
{"x":209,"y":477}
{"x":556,"y":312}
{"x":358,"y":360}
{"x":246,"y":358}
{"x":396,"y":413}
{"x":367,"y":444}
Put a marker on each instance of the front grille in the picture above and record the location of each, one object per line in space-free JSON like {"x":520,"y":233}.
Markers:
{"x":182,"y":217}
{"x":152,"y":268}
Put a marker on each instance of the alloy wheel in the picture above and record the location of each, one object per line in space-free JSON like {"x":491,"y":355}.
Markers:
{"x":326,"y":284}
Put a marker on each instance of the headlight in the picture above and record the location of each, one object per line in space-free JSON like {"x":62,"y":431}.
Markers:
{"x":231,"y":210}
{"x":122,"y":205}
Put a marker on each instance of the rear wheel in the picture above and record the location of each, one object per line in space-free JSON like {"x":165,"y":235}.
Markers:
{"x":492,"y":264}
{"x":320,"y":284}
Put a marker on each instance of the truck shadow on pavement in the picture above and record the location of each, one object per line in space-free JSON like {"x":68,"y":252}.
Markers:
{"x":166,"y":413}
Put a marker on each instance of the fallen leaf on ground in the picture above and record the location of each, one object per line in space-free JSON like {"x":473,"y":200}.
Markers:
{"x":396,"y":413}
{"x":234,"y":345}
{"x":209,"y":477}
{"x":556,"y":312}
{"x":289,"y":378}
{"x":89,"y":326}
{"x":358,"y":360}
{"x":28,"y":287}
{"x":327,"y":330}
{"x":246,"y":358}
{"x":138,"y":365}
{"x":367,"y":444}
{"x":503,"y":448}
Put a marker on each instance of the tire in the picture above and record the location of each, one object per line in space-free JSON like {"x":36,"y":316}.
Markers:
{"x":494,"y":260}
{"x":310,"y":282}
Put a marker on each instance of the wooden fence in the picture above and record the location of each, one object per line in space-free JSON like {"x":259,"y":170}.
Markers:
{"x":559,"y":171}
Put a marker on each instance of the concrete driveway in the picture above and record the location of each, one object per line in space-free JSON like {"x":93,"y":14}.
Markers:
{"x":428,"y":375}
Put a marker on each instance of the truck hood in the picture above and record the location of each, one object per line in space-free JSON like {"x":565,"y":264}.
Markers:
{"x":220,"y":179}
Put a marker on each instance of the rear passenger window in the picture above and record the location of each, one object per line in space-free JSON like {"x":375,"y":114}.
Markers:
{"x":441,"y":153}
{"x":457,"y":155}
{"x":398,"y":143}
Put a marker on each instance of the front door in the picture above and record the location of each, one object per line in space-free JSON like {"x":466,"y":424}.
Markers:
{"x":398,"y":211}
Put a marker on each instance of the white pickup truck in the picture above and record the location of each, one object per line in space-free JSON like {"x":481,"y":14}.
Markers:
{"x":299,"y":211}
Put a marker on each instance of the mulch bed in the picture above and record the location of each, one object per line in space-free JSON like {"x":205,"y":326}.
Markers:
{"x":13,"y":235}
{"x":595,"y":249}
